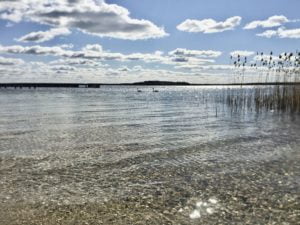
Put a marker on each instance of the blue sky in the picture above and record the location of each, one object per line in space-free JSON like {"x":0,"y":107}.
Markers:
{"x":134,"y":40}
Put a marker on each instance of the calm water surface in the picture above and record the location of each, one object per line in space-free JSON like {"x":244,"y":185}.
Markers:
{"x":179,"y":156}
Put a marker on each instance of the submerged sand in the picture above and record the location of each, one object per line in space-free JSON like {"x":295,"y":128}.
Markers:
{"x":265,"y":192}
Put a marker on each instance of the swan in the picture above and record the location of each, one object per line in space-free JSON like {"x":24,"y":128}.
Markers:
{"x":154,"y":90}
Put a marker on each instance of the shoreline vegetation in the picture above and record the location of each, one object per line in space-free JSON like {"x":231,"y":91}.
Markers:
{"x":284,"y":69}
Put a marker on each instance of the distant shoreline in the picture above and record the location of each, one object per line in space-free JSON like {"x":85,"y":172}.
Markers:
{"x":146,"y":83}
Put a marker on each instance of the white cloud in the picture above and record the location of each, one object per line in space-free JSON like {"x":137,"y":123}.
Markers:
{"x":13,"y":10}
{"x":42,"y":36}
{"x":94,"y":48}
{"x":187,"y":67}
{"x":281,"y":33}
{"x":63,"y":68}
{"x":78,"y":62}
{"x":289,"y":33}
{"x":195,"y":53}
{"x":137,"y":68}
{"x":186,"y":58}
{"x":35,"y":50}
{"x":10,"y":61}
{"x":209,"y":25}
{"x":191,"y":61}
{"x":241,"y":53}
{"x":159,"y":53}
{"x":66,"y":46}
{"x":268,"y":34}
{"x":90,"y":16}
{"x":225,"y":69}
{"x":273,"y":21}
{"x":61,"y":52}
{"x":124,"y":69}
{"x":146,"y":57}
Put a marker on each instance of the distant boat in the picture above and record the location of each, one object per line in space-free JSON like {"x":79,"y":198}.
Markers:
{"x":154,"y":90}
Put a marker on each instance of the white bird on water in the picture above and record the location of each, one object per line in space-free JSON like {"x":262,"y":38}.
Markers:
{"x":154,"y":90}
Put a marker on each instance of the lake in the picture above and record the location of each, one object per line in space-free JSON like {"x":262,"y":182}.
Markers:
{"x":117,"y":156}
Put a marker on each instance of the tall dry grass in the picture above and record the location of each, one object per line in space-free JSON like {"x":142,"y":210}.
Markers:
{"x":282,"y":70}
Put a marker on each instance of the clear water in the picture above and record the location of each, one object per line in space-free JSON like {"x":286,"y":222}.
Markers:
{"x":177,"y":155}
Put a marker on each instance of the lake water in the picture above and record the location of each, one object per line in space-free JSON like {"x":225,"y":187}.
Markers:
{"x":116,"y":156}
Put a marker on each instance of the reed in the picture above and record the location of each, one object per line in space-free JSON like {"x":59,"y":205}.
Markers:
{"x":275,"y":98}
{"x":283,"y":69}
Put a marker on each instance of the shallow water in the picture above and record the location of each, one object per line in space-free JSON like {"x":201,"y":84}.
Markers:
{"x":116,"y":156}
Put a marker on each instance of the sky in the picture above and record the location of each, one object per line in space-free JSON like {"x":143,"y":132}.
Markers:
{"x":118,"y":41}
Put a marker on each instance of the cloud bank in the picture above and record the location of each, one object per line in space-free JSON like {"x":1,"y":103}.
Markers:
{"x":96,"y":52}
